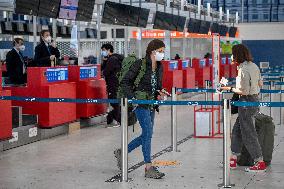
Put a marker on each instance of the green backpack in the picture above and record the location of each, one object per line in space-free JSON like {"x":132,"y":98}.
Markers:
{"x":126,"y":65}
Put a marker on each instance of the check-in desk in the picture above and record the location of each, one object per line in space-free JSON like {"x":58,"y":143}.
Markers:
{"x":172,"y":76}
{"x":45,"y":82}
{"x":5,"y":113}
{"x":90,"y":85}
{"x":188,"y":73}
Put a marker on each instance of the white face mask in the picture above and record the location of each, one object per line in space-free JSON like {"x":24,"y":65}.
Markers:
{"x":159,"y":56}
{"x":48,"y":39}
{"x":22,"y":47}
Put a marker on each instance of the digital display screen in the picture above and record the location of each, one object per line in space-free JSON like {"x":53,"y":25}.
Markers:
{"x":178,"y":23}
{"x":68,"y":9}
{"x":173,"y":65}
{"x":85,"y":10}
{"x":27,"y":7}
{"x":223,"y":60}
{"x":163,"y":21}
{"x":204,"y":27}
{"x":56,"y":74}
{"x":232,"y":31}
{"x":48,"y":8}
{"x":202,"y":63}
{"x":125,"y":15}
{"x":210,"y":61}
{"x":214,"y":28}
{"x":185,"y":63}
{"x":88,"y":72}
{"x":193,"y":25}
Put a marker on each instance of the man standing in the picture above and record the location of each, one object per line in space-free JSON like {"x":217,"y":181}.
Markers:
{"x":46,"y":53}
{"x":110,"y":68}
{"x":16,"y":66}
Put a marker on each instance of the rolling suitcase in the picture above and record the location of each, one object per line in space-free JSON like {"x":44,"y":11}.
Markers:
{"x":265,"y":129}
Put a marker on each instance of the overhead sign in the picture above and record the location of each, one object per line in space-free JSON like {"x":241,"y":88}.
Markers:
{"x":161,"y":34}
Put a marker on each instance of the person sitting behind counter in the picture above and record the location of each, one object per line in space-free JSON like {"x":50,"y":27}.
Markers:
{"x":16,"y":66}
{"x":46,"y":52}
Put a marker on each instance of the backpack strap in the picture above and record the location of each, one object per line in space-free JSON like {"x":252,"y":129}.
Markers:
{"x":141,"y":73}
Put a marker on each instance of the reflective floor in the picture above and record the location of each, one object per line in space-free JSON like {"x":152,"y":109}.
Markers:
{"x":85,"y":160}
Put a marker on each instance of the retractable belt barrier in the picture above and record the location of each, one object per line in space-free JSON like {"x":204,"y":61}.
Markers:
{"x":124,"y":119}
{"x":145,"y":102}
{"x":214,"y":90}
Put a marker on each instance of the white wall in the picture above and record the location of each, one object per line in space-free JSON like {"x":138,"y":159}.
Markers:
{"x":261,"y":31}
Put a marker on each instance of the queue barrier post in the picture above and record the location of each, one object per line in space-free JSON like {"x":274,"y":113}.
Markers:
{"x":174,"y":122}
{"x":124,"y":139}
{"x":226,"y":144}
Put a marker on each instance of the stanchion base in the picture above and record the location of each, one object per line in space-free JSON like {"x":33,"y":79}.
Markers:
{"x":129,"y":180}
{"x":175,"y":151}
{"x":228,"y":186}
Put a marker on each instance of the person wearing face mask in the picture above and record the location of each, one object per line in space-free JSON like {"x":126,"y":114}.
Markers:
{"x":46,"y":52}
{"x":16,"y":65}
{"x":111,"y":67}
{"x":149,"y":88}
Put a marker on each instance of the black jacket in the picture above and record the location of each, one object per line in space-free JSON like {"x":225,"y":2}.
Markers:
{"x":15,"y":66}
{"x":111,"y":70}
{"x":145,"y":85}
{"x":42,"y":55}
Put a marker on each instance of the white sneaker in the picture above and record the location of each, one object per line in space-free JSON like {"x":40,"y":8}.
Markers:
{"x":114,"y":124}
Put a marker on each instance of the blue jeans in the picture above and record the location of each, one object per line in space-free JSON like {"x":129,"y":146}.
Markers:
{"x":146,"y":121}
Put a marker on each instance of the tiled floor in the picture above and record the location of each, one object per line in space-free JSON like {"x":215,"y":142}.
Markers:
{"x":85,"y":160}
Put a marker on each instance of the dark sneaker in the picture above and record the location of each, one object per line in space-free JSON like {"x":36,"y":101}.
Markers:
{"x":154,"y":173}
{"x":117,"y":154}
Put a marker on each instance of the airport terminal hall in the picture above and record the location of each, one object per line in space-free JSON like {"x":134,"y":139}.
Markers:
{"x":141,"y":94}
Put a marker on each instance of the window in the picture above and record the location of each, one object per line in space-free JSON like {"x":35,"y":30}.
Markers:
{"x":275,"y":16}
{"x":254,"y":16}
{"x":265,"y":16}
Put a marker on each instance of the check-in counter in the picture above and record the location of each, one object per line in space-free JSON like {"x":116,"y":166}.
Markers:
{"x":45,"y":82}
{"x":202,"y":72}
{"x":5,"y":113}
{"x":188,"y":73}
{"x":172,"y":76}
{"x":90,"y":85}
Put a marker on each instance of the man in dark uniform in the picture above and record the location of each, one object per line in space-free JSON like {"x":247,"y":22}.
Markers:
{"x":16,"y":66}
{"x":46,"y":52}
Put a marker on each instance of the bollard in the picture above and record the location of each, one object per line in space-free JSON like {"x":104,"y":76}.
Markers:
{"x":207,"y":87}
{"x":271,"y":86}
{"x":174,"y":121}
{"x":124,"y":139}
{"x":281,"y":88}
{"x":226,"y":144}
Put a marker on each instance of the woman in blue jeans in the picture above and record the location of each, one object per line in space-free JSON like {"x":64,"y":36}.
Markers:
{"x":150,"y":72}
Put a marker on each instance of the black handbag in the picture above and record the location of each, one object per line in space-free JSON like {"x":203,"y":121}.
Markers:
{"x":234,"y":109}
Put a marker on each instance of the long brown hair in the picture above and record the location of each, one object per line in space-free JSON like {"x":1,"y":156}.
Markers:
{"x":154,"y":45}
{"x":241,"y":53}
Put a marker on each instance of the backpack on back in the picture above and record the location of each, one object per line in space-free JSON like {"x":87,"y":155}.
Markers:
{"x":127,"y":63}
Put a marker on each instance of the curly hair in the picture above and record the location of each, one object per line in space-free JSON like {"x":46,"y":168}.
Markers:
{"x":154,"y":45}
{"x":241,"y":53}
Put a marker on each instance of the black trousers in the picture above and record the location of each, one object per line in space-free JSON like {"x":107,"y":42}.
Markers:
{"x":114,"y":114}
